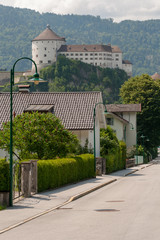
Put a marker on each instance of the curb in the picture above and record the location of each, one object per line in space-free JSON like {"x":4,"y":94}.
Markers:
{"x":73,"y":198}
{"x":125,"y":175}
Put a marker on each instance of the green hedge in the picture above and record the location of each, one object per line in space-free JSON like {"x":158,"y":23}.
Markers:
{"x":4,"y":176}
{"x":58,"y":172}
{"x":116,"y":160}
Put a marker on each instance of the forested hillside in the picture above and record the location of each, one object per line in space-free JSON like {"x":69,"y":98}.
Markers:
{"x":68,"y":75}
{"x":139,"y":40}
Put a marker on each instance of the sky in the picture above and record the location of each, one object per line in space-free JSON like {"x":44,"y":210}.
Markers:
{"x":119,"y":10}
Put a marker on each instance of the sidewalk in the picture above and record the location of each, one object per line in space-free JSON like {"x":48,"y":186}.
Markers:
{"x":28,"y":209}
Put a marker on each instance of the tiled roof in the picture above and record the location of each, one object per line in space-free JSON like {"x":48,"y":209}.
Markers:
{"x":116,"y":49}
{"x":48,"y":34}
{"x":126,"y":62}
{"x":85,"y":48}
{"x":75,"y":109}
{"x":155,"y":76}
{"x":123,"y":108}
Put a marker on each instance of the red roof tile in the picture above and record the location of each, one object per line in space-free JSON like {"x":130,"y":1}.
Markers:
{"x":155,"y":76}
{"x":48,"y":34}
{"x":85,"y":48}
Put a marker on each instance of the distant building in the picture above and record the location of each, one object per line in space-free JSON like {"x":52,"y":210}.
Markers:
{"x":155,"y":76}
{"x":48,"y":45}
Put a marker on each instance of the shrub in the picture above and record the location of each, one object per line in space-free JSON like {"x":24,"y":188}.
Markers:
{"x":4,"y":176}
{"x":58,"y":172}
{"x":112,"y":150}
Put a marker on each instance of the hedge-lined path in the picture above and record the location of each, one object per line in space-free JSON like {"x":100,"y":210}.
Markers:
{"x":30,"y":208}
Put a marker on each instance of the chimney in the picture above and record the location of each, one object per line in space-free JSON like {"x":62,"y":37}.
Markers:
{"x":23,"y":88}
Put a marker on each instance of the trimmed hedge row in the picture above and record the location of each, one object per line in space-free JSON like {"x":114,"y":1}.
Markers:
{"x":58,"y":172}
{"x":4,"y":176}
{"x":116,"y":160}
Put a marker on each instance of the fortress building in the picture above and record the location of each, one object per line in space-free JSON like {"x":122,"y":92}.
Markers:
{"x":48,"y":45}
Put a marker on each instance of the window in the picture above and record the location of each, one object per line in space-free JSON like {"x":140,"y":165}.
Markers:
{"x":40,"y":108}
{"x":76,"y":54}
{"x":45,"y":48}
{"x":81,"y":54}
{"x":40,"y":61}
{"x":110,"y":121}
{"x":45,"y":55}
{"x":49,"y":61}
{"x":86,"y":54}
{"x":71,"y":54}
{"x":36,"y":55}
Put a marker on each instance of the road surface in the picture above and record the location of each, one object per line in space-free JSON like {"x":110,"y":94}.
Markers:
{"x":128,"y":209}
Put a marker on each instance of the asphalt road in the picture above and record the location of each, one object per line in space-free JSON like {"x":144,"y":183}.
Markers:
{"x":128,"y":209}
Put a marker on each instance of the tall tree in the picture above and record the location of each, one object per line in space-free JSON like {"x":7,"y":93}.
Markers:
{"x":143,"y":89}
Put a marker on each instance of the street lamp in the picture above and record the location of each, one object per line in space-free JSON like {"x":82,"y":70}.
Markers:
{"x":35,"y":79}
{"x":94,"y":118}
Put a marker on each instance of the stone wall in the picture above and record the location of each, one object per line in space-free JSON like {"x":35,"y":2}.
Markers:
{"x":100,"y":166}
{"x":5,"y":77}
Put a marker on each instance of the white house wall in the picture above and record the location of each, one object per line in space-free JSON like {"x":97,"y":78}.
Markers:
{"x":118,"y":128}
{"x":130,"y":134}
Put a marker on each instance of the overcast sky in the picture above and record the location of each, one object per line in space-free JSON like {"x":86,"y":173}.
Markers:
{"x":117,"y":9}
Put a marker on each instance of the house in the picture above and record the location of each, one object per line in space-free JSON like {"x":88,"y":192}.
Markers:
{"x":155,"y":76}
{"x":75,"y":109}
{"x":48,"y":45}
{"x":123,"y":120}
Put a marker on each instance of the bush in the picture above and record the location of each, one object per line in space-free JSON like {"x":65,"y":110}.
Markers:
{"x":58,"y":172}
{"x":4,"y":176}
{"x":112,"y":150}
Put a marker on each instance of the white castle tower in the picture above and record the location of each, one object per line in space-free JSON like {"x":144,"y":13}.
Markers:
{"x":44,"y":48}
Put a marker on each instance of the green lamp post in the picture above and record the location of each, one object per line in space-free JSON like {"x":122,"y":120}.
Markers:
{"x":36,"y":80}
{"x":94,"y":119}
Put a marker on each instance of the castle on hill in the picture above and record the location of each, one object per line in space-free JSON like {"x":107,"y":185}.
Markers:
{"x":48,"y":45}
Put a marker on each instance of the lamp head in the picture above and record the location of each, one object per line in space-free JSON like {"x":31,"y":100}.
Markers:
{"x":36,"y":79}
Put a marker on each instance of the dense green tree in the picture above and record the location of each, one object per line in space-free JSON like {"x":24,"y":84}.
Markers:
{"x":143,"y":89}
{"x":38,"y":133}
{"x":71,"y":75}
